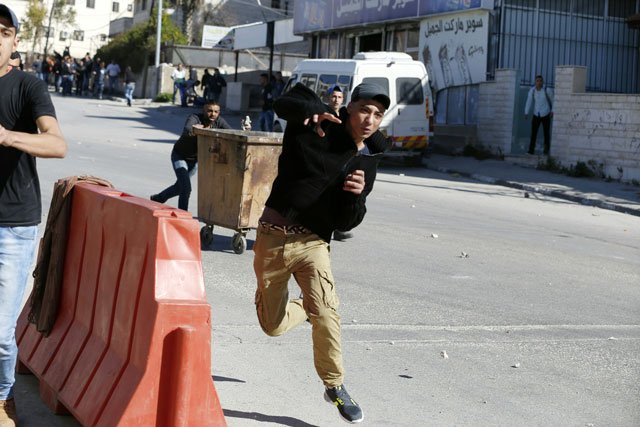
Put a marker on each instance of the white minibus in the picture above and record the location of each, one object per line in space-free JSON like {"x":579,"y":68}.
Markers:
{"x":408,"y":118}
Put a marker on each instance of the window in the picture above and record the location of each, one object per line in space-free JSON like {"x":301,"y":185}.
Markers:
{"x":143,"y":4}
{"x":325,"y":82}
{"x":290,"y":83}
{"x":115,"y":7}
{"x":309,"y":80}
{"x":78,"y":35}
{"x":49,"y":32}
{"x":382,"y":81}
{"x":588,"y":7}
{"x":409,"y":91}
{"x":129,"y":8}
{"x":345,"y":83}
{"x":103,"y":37}
{"x":63,"y":35}
{"x":70,"y":2}
{"x":91,"y":4}
{"x":622,"y":8}
{"x":560,"y":6}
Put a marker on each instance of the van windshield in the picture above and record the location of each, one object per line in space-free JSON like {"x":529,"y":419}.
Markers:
{"x":292,"y":81}
{"x":381,"y":81}
{"x":409,"y":91}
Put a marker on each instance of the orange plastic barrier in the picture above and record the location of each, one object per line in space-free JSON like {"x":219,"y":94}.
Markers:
{"x":131,"y":345}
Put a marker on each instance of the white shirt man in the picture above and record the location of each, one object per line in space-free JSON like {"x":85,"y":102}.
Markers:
{"x":541,"y":99}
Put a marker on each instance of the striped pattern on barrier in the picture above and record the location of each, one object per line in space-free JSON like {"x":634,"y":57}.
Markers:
{"x":131,"y":345}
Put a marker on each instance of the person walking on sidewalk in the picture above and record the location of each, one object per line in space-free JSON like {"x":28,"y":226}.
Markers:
{"x":29,"y":130}
{"x":315,"y":193}
{"x":540,"y":99}
{"x":184,"y":156}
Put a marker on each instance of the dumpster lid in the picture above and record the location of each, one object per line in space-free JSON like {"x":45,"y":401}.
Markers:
{"x":242,"y":136}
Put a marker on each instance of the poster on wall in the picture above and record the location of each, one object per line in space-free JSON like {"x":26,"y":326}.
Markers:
{"x":454,"y":48}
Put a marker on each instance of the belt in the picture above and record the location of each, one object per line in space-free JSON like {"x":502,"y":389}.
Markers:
{"x":286,"y":229}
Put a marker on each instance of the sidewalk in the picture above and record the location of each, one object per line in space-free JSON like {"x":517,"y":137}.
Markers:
{"x":620,"y":197}
{"x":612,"y":195}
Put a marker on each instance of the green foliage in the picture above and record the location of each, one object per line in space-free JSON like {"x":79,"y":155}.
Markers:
{"x":62,"y":14}
{"x":33,"y":26}
{"x":137,"y":46}
{"x":552,"y":164}
{"x":163,"y":97}
{"x":588,"y":169}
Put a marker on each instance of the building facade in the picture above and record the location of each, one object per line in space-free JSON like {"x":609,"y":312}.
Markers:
{"x":90,"y":31}
{"x":463,"y":42}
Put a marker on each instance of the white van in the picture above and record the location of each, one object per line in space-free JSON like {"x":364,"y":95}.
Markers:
{"x":406,"y":121}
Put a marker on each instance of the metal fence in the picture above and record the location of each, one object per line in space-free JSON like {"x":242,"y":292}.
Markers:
{"x":535,"y":36}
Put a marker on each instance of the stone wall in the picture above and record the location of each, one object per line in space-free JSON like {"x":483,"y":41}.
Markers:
{"x":496,"y":108}
{"x":597,"y":128}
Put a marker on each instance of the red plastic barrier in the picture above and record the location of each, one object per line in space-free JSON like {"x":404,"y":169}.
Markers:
{"x":131,"y":345}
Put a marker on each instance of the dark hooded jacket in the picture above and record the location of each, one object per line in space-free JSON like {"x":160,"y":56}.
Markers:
{"x":311,"y":169}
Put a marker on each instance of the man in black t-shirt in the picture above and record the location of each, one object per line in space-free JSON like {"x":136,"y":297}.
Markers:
{"x":28,"y":129}
{"x":184,"y":156}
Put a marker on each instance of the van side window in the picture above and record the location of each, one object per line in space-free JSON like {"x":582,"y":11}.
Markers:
{"x":345,"y":83}
{"x":325,"y":82}
{"x":309,"y":80}
{"x":409,"y":91}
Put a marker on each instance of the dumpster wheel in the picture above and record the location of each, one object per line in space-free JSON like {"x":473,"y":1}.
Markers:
{"x":239,"y":243}
{"x":206,"y":235}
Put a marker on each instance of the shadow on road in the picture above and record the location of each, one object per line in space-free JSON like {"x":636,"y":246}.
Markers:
{"x":279,"y":420}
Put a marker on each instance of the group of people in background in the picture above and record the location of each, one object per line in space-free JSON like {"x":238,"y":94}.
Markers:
{"x":87,"y":76}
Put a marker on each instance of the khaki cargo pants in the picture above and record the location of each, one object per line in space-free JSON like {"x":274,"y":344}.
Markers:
{"x":305,"y":256}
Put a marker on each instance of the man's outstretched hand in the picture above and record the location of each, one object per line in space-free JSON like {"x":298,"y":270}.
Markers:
{"x":316,"y":119}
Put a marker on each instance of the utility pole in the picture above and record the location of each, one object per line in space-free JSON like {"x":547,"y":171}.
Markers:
{"x":158,"y":41}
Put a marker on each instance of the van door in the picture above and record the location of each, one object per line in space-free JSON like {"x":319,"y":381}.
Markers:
{"x":410,"y":126}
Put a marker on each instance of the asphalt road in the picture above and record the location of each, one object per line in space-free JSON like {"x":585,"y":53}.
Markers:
{"x":462,"y":303}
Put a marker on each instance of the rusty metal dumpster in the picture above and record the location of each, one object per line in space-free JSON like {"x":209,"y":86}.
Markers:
{"x":235,"y":172}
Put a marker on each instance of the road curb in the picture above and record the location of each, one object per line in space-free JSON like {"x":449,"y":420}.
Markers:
{"x":587,"y":201}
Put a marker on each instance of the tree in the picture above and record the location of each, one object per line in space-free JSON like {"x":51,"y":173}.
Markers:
{"x":33,"y":26}
{"x":136,"y":46}
{"x":61,"y":15}
{"x":189,"y":9}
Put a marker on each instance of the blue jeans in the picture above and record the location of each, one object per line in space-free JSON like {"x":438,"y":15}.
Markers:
{"x":17,"y":246}
{"x":266,"y":121}
{"x":113,"y":84}
{"x":184,"y":170}
{"x":128,"y":92}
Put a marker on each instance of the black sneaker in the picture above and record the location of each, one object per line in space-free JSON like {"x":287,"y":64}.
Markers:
{"x":347,"y":407}
{"x":155,"y":198}
{"x":342,"y":235}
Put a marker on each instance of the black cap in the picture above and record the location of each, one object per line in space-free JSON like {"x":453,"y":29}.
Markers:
{"x":371,"y":91}
{"x":335,"y":88}
{"x":8,"y":13}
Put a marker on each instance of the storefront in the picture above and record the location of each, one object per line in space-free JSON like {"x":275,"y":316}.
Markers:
{"x":463,"y":42}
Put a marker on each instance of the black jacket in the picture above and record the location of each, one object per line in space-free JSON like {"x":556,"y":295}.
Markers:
{"x":187,"y":144}
{"x":311,"y":169}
